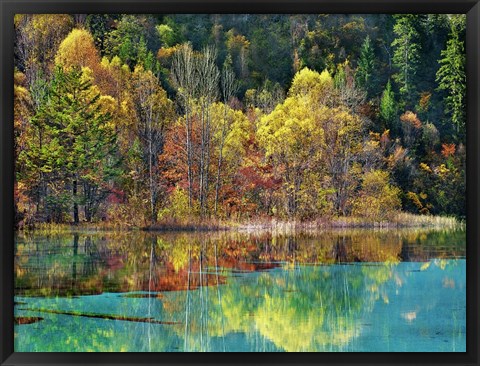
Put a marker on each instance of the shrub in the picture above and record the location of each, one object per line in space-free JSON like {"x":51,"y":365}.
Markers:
{"x":378,"y":200}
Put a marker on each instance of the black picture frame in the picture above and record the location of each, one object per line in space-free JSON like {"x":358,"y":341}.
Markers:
{"x":10,"y":7}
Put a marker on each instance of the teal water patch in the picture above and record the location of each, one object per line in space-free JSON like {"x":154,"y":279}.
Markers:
{"x":354,"y":307}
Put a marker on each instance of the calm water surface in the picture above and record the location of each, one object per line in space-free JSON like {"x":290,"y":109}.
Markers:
{"x":349,"y":291}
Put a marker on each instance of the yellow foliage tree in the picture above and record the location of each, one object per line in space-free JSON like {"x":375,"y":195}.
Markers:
{"x":38,"y":39}
{"x":290,"y":137}
{"x":378,"y":199}
{"x":78,"y":50}
{"x":309,"y":82}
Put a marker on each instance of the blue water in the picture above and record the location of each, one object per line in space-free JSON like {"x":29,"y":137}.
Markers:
{"x":352,"y":307}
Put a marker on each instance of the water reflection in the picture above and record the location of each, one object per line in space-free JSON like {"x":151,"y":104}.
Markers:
{"x":92,"y":263}
{"x":339,"y":291}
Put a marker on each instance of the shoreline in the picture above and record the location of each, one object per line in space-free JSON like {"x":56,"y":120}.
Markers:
{"x":402,"y":220}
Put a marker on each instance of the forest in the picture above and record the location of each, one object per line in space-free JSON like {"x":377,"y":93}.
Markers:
{"x":154,"y":121}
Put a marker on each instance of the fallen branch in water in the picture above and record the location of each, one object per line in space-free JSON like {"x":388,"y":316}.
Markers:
{"x":105,"y":316}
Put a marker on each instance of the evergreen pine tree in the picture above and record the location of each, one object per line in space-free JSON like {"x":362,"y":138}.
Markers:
{"x":406,"y":54}
{"x":142,"y":53}
{"x":366,"y":64}
{"x":75,"y":146}
{"x":388,"y":109}
{"x":451,"y":75}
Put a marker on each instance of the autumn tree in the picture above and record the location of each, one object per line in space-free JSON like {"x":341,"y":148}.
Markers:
{"x":290,"y":137}
{"x":154,"y":113}
{"x":23,"y":109}
{"x":208,"y":89}
{"x":238,"y":47}
{"x":229,"y":87}
{"x":440,"y":185}
{"x":411,"y":128}
{"x":341,"y":142}
{"x":377,"y":200}
{"x":184,"y":79}
{"x":229,"y":146}
{"x":186,"y":115}
{"x":78,"y":50}
{"x":318,"y":85}
{"x":304,"y":135}
{"x":341,"y":147}
{"x":38,"y":37}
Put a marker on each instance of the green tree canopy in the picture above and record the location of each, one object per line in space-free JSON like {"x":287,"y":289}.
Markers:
{"x":451,"y":75}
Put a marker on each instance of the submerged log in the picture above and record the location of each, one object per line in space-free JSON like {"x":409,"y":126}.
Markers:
{"x":105,"y":316}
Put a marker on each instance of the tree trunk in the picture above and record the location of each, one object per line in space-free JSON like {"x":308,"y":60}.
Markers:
{"x":189,"y":157}
{"x":75,"y":204}
{"x":207,"y":164}
{"x":202,"y":157}
{"x":87,"y":195}
{"x":219,"y":166}
{"x":88,"y":214}
{"x":150,"y":175}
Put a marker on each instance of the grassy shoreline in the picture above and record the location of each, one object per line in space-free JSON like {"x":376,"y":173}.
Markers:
{"x":401,"y":220}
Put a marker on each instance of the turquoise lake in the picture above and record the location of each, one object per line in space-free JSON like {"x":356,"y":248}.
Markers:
{"x":333,"y":291}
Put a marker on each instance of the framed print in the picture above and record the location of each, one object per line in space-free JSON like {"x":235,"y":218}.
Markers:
{"x":239,"y":182}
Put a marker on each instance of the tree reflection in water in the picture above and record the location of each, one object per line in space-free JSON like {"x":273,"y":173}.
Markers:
{"x":302,"y":293}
